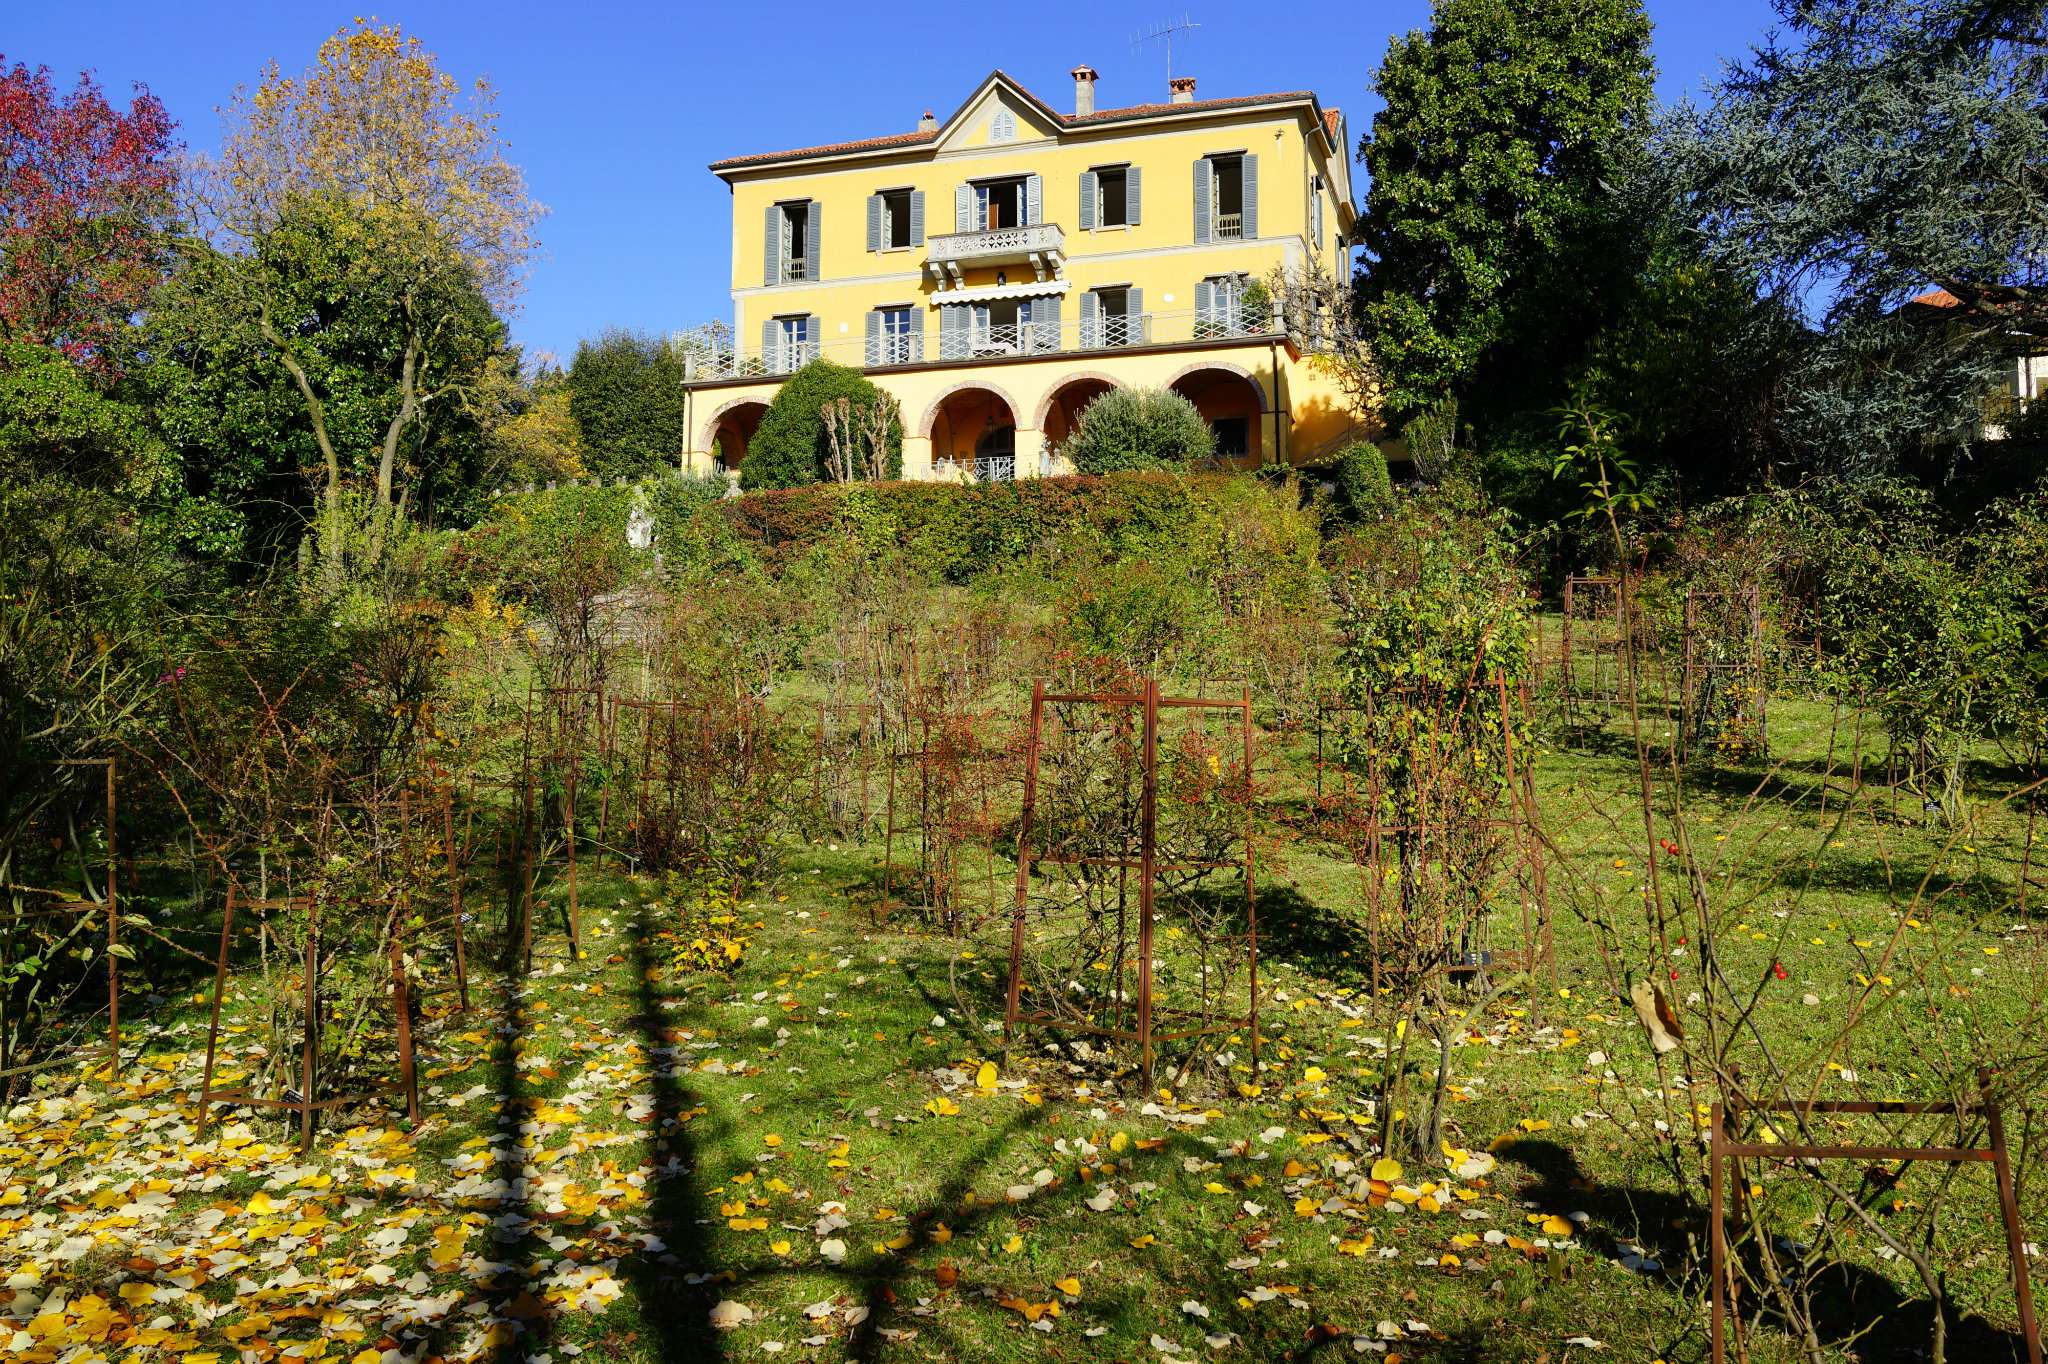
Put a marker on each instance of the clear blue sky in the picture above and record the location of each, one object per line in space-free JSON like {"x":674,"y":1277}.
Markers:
{"x":614,"y":109}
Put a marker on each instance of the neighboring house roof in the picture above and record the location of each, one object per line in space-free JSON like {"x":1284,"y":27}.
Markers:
{"x":1935,"y":298}
{"x":903,"y":141}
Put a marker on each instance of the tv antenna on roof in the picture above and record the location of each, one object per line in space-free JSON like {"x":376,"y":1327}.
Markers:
{"x":1165,"y":32}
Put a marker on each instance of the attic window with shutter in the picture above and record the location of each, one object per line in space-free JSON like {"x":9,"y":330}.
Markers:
{"x":1003,"y":127}
{"x":1111,"y":196}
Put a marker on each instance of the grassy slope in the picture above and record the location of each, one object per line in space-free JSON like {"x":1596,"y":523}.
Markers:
{"x":638,"y":1102}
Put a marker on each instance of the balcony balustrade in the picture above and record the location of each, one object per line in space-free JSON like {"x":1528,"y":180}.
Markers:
{"x":1090,"y":335}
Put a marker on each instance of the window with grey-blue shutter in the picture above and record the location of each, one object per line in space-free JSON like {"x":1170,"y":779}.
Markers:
{"x":1091,"y":321}
{"x":874,"y":222}
{"x":1205,"y":176}
{"x":953,"y":325}
{"x":771,"y":351}
{"x":1250,"y":172}
{"x":874,"y":337}
{"x":917,"y":217}
{"x":1087,"y":201}
{"x":1131,"y":195}
{"x":1034,"y":200}
{"x":1045,"y":323}
{"x":1205,"y":308}
{"x":771,"y":250}
{"x":963,"y":208}
{"x":814,"y":214}
{"x":1137,"y":330}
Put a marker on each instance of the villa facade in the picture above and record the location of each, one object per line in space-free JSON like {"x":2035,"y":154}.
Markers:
{"x":999,"y":270}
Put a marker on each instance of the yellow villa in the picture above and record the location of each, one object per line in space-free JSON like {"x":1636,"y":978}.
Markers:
{"x":998,"y":271}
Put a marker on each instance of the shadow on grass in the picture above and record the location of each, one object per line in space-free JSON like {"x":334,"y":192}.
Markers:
{"x":1857,"y":1308}
{"x":678,"y":1314}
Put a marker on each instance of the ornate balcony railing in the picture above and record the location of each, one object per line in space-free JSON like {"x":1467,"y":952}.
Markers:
{"x":996,"y":244}
{"x":966,"y":345}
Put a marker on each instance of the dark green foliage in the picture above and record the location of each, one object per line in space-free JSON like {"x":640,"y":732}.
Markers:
{"x":790,"y":448}
{"x":1492,"y":221}
{"x":1868,"y":151}
{"x":626,"y":396}
{"x":58,"y":421}
{"x":1364,"y":487}
{"x":226,"y":398}
{"x":1933,"y":624}
{"x":525,"y":542}
{"x":1129,"y":430}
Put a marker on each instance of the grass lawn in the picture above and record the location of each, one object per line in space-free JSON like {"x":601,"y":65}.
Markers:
{"x":831,"y":1154}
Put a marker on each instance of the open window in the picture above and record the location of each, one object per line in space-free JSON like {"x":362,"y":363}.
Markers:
{"x":796,"y":234}
{"x":1228,"y":195}
{"x":1112,"y":196}
{"x":1113,"y":312}
{"x":999,"y":204}
{"x":895,"y":219}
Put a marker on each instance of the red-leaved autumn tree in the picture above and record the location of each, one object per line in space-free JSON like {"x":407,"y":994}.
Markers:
{"x":85,"y":201}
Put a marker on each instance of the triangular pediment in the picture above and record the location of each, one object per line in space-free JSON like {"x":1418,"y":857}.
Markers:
{"x":999,"y":113}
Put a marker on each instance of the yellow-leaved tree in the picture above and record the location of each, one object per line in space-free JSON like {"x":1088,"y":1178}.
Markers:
{"x":398,"y":176}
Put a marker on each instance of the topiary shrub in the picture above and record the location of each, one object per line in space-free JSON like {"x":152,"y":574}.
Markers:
{"x":789,"y":449}
{"x":1135,"y":429}
{"x":1364,"y":487}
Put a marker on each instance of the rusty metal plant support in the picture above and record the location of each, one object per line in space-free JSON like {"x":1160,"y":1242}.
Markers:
{"x":307,"y":1106}
{"x":1601,"y":597}
{"x":1147,"y":865}
{"x":956,"y":787}
{"x":1723,"y":655}
{"x":673,"y":776}
{"x":566,"y":712}
{"x":1724,"y":1155}
{"x":844,"y":744}
{"x":1383,"y":848}
{"x":456,"y":918}
{"x":70,"y":906}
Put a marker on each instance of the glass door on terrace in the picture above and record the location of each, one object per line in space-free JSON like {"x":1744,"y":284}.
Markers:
{"x":1002,"y":328}
{"x":999,"y":204}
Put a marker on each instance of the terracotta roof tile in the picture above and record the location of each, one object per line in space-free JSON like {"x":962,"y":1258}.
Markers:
{"x":1192,"y":106}
{"x":894,"y":141}
{"x":864,"y":144}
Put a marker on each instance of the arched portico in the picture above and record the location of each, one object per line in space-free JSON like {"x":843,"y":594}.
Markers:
{"x":1061,"y":411}
{"x":1233,"y":401}
{"x":973,"y":427}
{"x":729,"y":430}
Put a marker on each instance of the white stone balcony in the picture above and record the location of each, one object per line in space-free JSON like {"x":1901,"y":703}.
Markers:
{"x":1042,"y":246}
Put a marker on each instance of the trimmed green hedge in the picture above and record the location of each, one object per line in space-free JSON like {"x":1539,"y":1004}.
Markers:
{"x":958,"y":532}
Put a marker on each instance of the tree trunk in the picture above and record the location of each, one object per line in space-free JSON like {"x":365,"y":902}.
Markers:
{"x":330,"y":533}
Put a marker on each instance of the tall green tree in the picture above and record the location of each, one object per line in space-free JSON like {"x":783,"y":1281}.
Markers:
{"x":626,"y":399}
{"x":791,"y":447}
{"x":1492,"y":227}
{"x":345,"y":353}
{"x":1868,"y":151}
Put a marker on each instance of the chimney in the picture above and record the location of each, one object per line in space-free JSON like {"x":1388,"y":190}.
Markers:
{"x":1085,"y":77}
{"x":929,"y":123}
{"x":1183,"y":88}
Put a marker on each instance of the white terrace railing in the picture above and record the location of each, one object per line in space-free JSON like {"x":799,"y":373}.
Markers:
{"x":1071,"y":335}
